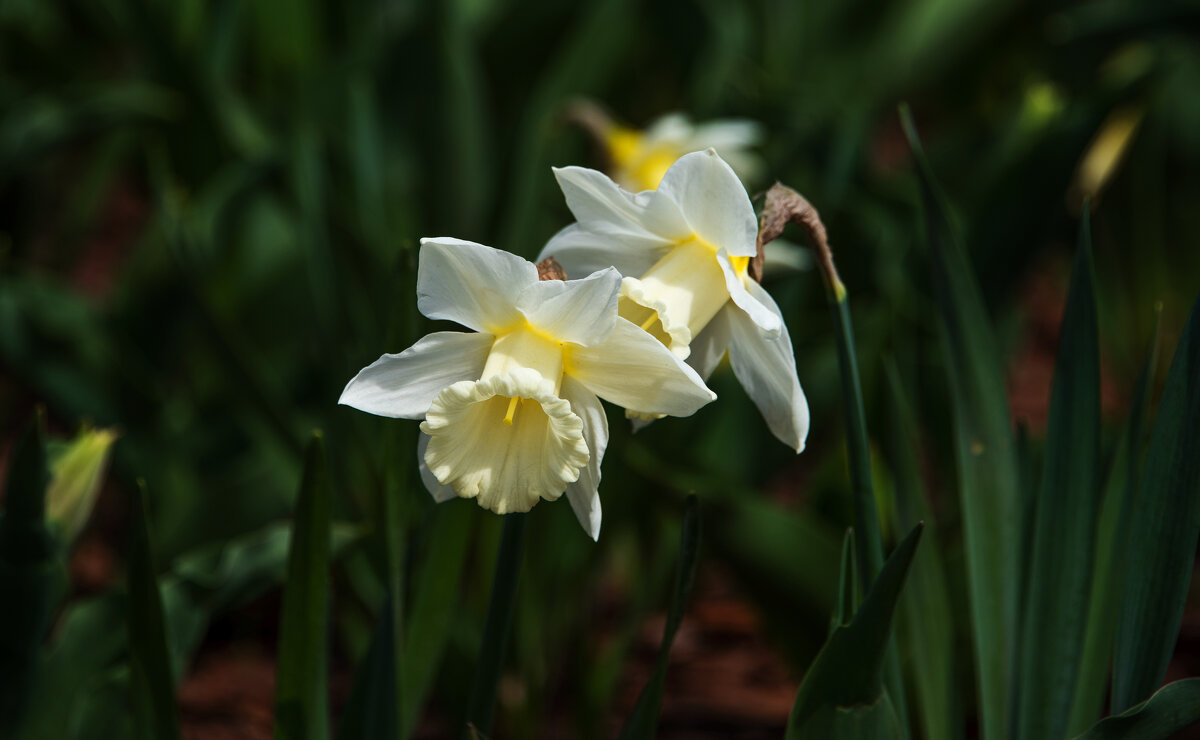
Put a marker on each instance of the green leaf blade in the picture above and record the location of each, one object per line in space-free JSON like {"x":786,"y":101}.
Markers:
{"x":869,"y":540}
{"x":925,"y":622}
{"x":497,"y":629}
{"x":1163,"y":533}
{"x":642,"y":722}
{"x":989,"y":483}
{"x":436,"y":594}
{"x":1112,"y":541}
{"x":1173,"y":708}
{"x":371,"y":711}
{"x":846,"y":603}
{"x":30,"y":575}
{"x":153,"y":682}
{"x":842,"y":695}
{"x":301,"y":694}
{"x":1064,"y":529}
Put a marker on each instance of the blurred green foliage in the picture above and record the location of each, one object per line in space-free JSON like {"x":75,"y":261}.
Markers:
{"x":209,"y":214}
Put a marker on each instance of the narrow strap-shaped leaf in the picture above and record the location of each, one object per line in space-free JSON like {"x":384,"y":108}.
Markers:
{"x":1162,"y":539}
{"x":28,"y":586}
{"x":152,"y":680}
{"x":642,"y":723}
{"x":482,"y":702}
{"x":1028,"y":507}
{"x":846,"y":603}
{"x":842,"y":695}
{"x":987,"y":466}
{"x":1064,"y":533}
{"x":301,"y":695}
{"x":371,"y":712}
{"x":1173,"y":708}
{"x":1112,"y":538}
{"x":925,"y":623}
{"x":436,"y":588}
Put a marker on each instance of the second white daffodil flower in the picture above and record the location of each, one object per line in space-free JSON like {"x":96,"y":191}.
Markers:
{"x":638,"y":158}
{"x":685,"y":250}
{"x":641,"y":158}
{"x":510,"y":412}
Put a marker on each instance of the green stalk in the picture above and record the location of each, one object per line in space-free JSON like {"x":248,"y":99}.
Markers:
{"x":784,"y":205}
{"x":482,"y":704}
{"x":869,"y":545}
{"x":868,"y":539}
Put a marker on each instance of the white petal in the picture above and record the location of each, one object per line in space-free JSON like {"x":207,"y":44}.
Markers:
{"x":584,"y":493}
{"x":713,"y":201}
{"x":749,"y":166}
{"x":582,"y":252}
{"x":782,"y":257}
{"x":672,"y":127}
{"x":711,"y":344}
{"x":439,"y":492}
{"x":471,"y":284}
{"x":732,"y":133}
{"x":402,"y":386}
{"x":634,"y":370}
{"x":507,"y":463}
{"x":579,"y":311}
{"x":601,"y":206}
{"x":767,"y":370}
{"x":639,"y":422}
{"x":766,"y":319}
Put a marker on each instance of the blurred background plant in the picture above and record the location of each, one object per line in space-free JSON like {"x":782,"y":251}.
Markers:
{"x":209,"y":214}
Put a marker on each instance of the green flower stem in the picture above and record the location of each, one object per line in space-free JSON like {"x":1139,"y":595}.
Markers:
{"x":868,"y":537}
{"x":782,"y":206}
{"x":482,"y":704}
{"x":866,"y":517}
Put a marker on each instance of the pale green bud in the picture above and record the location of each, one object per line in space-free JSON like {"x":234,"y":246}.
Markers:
{"x":76,"y":474}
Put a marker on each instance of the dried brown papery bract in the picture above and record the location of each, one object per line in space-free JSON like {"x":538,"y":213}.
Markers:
{"x":549,"y":269}
{"x":783,"y":206}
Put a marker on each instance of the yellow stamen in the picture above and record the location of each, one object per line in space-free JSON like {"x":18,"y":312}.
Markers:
{"x":649,"y":321}
{"x":512,"y":410}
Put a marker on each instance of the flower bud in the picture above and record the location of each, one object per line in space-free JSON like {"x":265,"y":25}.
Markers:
{"x":76,"y":474}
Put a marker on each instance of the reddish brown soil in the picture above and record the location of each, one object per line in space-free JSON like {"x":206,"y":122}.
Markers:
{"x":724,"y":679}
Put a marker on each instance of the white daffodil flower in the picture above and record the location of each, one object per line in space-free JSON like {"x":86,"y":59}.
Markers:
{"x":685,"y":250}
{"x":510,"y":412}
{"x":641,"y":158}
{"x":638,"y":159}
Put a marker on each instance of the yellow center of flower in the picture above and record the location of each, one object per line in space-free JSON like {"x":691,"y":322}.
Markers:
{"x":526,"y":347}
{"x":639,"y":165}
{"x":679,"y":295}
{"x":623,"y":145}
{"x":508,"y":439}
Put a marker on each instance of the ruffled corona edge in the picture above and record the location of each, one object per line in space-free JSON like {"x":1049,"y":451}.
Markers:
{"x":678,"y":334}
{"x":506,"y":468}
